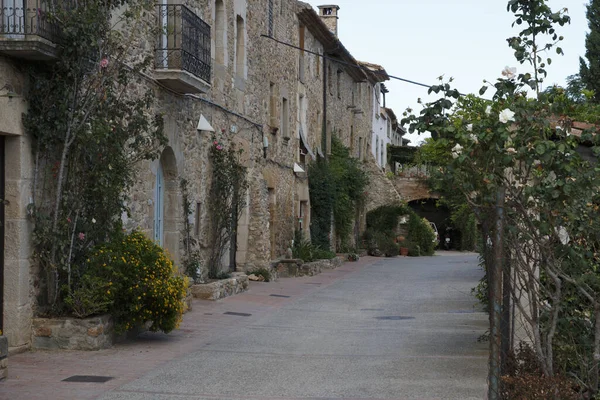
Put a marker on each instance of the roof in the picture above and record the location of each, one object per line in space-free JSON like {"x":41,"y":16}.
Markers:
{"x":331,"y":44}
{"x":391,"y":113}
{"x":377,"y":71}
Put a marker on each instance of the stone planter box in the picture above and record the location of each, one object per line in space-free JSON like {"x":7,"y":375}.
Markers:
{"x":220,"y":289}
{"x":294,"y":268}
{"x":92,"y":333}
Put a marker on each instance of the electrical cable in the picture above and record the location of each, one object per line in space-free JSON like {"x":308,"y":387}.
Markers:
{"x":345,"y":63}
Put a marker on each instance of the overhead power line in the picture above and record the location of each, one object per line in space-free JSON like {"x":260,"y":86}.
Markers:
{"x":344,"y":62}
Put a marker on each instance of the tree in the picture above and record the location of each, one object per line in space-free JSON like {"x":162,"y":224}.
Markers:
{"x":590,"y":70}
{"x":89,"y":130}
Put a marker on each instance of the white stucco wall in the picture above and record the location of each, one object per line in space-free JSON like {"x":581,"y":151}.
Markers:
{"x":379,"y":138}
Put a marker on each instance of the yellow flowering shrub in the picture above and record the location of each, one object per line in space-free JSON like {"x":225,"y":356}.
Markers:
{"x":141,"y":282}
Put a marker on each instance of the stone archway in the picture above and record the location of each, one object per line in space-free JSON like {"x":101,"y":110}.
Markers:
{"x":167,"y":204}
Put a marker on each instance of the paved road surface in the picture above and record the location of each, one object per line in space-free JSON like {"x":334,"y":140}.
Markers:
{"x":402,"y":328}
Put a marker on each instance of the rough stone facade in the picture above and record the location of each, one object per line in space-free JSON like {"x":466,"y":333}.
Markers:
{"x":381,"y":190}
{"x":411,"y":189}
{"x":281,"y":105}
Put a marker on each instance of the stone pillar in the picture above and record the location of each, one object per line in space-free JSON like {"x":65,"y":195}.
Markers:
{"x":18,"y":292}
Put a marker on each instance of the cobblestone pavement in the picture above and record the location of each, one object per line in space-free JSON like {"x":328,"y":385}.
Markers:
{"x":397,"y":328}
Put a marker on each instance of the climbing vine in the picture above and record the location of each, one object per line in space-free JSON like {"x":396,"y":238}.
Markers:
{"x":337,"y":189}
{"x":226,"y":201}
{"x":90,"y":128}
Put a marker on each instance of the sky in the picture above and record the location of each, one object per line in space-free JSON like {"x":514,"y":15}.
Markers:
{"x":421,"y":40}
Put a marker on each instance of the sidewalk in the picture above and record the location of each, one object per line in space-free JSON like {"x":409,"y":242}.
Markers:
{"x":40,"y":374}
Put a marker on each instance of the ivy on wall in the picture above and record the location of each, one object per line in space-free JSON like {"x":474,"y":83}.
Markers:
{"x":226,"y":201}
{"x":337,"y":190}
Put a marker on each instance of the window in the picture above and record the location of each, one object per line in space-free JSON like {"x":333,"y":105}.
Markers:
{"x":285,"y":117}
{"x":301,"y":32}
{"x":271,"y":17}
{"x":272,"y":107}
{"x":381,"y":158}
{"x":302,"y":109}
{"x":338,"y":83}
{"x":328,"y":134}
{"x":318,"y":62}
{"x":198,"y":219}
{"x":240,"y":48}
{"x":376,"y":147}
{"x":329,"y":78}
{"x":220,"y":32}
{"x":328,"y":11}
{"x":302,"y":220}
{"x":360,"y":145}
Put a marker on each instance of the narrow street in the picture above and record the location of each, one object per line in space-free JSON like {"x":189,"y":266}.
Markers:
{"x":402,"y":328}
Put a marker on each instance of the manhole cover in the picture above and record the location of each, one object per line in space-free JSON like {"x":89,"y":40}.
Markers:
{"x":280,"y":295}
{"x":237,"y":314}
{"x":394,"y":318}
{"x":88,"y":378}
{"x":372,"y":309}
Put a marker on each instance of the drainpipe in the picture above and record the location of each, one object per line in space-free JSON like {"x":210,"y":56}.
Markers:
{"x":324,"y":124}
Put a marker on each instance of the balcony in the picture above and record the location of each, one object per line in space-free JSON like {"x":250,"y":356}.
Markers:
{"x":183,"y":59}
{"x":26,"y":31}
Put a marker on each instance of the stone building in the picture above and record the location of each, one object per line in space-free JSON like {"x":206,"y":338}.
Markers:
{"x":270,"y":76}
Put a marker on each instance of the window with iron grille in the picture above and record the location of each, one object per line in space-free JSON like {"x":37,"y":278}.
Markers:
{"x":184,"y":41}
{"x":270,"y":18}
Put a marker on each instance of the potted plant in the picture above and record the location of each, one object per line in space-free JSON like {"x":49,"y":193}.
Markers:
{"x":404,"y":245}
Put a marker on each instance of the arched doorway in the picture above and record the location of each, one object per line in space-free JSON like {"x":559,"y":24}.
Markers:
{"x":166,"y":204}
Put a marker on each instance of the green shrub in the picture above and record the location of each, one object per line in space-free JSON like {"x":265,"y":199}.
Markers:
{"x":264,"y":273}
{"x":420,"y":233}
{"x":222,"y":275}
{"x":308,"y":252}
{"x":138,"y":280}
{"x":414,"y":250}
{"x":386,"y":218}
{"x":353,"y":257}
{"x":320,"y":254}
{"x":91,"y":297}
{"x":381,"y":243}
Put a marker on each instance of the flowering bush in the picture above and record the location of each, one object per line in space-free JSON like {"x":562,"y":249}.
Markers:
{"x":139,"y":282}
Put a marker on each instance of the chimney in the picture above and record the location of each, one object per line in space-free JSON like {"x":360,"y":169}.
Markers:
{"x":329,"y":15}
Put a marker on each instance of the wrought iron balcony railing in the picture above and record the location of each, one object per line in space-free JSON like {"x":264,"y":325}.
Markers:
{"x":27,"y":17}
{"x":183,"y":42}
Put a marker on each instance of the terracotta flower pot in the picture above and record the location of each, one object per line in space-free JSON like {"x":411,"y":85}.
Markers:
{"x":403,"y":251}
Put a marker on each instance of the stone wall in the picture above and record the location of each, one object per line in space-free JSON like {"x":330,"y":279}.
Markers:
{"x":94,"y":333}
{"x":381,"y":190}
